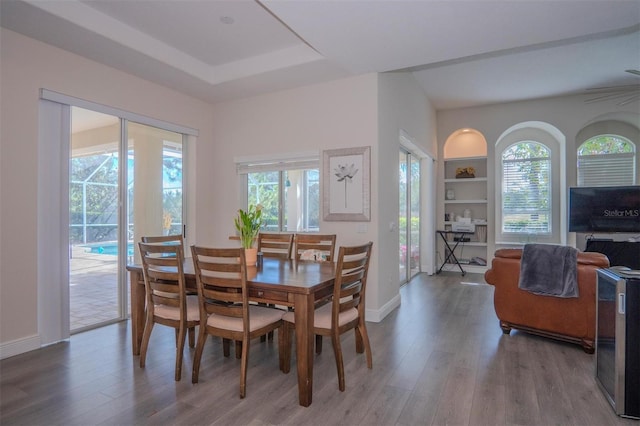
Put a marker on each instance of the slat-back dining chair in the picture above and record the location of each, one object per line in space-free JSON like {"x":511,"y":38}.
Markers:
{"x":163,"y":239}
{"x":320,"y":243}
{"x":275,"y":244}
{"x":221,"y":276}
{"x":344,"y":312}
{"x":167,"y":302}
{"x":173,"y":239}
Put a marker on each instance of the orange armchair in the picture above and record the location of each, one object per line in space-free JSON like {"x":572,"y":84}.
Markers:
{"x":568,"y":319}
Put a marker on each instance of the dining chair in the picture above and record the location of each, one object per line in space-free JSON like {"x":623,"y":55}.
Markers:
{"x":223,"y":300}
{"x":163,"y":239}
{"x":344,"y":312}
{"x":324,"y":244}
{"x":279,"y":245}
{"x":173,"y":239}
{"x":167,"y":302}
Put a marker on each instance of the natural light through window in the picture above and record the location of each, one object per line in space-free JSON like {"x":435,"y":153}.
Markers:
{"x":526,"y":189}
{"x":290,"y":199}
{"x":606,"y":160}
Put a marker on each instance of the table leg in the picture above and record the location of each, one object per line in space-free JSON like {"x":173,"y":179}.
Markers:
{"x":137,"y":310}
{"x":304,"y":305}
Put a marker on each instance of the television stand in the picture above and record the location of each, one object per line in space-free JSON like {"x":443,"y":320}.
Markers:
{"x":620,"y":253}
{"x":599,"y":239}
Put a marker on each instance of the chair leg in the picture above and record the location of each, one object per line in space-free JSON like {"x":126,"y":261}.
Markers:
{"x":180,"y":352}
{"x":286,"y":332}
{"x":281,"y":342}
{"x":239,"y":346}
{"x":318,"y":344}
{"x":243,"y":367}
{"x":361,"y":330}
{"x":359,"y":342}
{"x":192,"y":337}
{"x":337,"y":351}
{"x":146,"y":335}
{"x":202,"y":338}
{"x":226,"y":345}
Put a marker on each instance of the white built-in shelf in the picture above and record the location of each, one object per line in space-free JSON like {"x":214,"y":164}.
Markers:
{"x":465,"y":159}
{"x":465,"y":201}
{"x":473,"y":243}
{"x":466,"y":180}
{"x":449,"y":222}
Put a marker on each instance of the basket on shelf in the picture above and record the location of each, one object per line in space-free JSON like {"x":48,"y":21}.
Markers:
{"x":465,"y":172}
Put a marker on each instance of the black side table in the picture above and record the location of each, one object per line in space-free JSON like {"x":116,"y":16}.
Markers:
{"x":457,"y":239}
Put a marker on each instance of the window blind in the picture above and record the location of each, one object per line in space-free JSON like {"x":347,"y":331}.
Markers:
{"x":526,"y":195}
{"x":303,"y":162}
{"x":606,"y":169}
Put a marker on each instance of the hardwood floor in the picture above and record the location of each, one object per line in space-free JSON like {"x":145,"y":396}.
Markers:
{"x":439,"y":359}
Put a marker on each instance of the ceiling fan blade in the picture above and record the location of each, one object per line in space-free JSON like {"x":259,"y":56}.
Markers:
{"x":625,"y":88}
{"x":626,"y":93}
{"x":632,"y":98}
{"x":613,"y":95}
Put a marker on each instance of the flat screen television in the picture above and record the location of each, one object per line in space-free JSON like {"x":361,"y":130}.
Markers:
{"x":604,"y":209}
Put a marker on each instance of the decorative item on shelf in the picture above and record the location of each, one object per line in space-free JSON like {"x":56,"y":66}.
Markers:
{"x":466,"y":214}
{"x":450,"y":194}
{"x":481,"y":233}
{"x":248,"y":225}
{"x":446,"y":217}
{"x":465,"y":172}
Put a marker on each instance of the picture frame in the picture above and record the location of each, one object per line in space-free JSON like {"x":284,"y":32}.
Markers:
{"x":347,"y":184}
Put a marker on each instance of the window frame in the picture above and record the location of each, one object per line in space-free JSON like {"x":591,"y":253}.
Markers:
{"x":600,"y":167}
{"x":283,"y":165}
{"x":550,"y":137}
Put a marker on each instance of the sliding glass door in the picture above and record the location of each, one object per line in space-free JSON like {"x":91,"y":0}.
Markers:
{"x":409,"y":219}
{"x":94,"y":197}
{"x":155,"y":196}
{"x":147,"y":170}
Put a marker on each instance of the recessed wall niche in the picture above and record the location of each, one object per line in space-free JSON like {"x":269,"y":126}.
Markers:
{"x":465,"y":143}
{"x":465,"y":199}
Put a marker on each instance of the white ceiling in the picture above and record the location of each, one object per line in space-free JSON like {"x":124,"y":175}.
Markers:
{"x":463,"y":53}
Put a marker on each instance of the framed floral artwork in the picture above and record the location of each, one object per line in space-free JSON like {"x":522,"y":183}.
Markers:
{"x":346,"y":184}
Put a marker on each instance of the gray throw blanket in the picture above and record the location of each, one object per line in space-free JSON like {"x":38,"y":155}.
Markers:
{"x":549,"y":270}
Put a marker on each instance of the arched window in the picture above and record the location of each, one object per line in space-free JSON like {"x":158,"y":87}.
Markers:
{"x":526,"y":189}
{"x":606,"y":160}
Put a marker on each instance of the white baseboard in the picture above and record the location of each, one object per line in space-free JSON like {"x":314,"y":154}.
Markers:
{"x":17,"y":347}
{"x":378,"y":315}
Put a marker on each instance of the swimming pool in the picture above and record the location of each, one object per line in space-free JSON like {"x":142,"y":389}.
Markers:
{"x":107,"y":247}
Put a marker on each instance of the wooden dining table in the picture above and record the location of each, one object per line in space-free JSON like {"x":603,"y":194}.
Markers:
{"x":295,"y":283}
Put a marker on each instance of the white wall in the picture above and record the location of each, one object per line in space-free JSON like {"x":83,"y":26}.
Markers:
{"x":332,"y":115}
{"x":569,"y":114}
{"x":26,"y":66}
{"x":338,"y":114}
{"x":403,"y":106}
{"x":367,"y":110}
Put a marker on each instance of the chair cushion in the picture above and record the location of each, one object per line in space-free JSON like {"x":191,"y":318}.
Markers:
{"x":322,"y":316}
{"x":172,"y":312}
{"x":259,"y":316}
